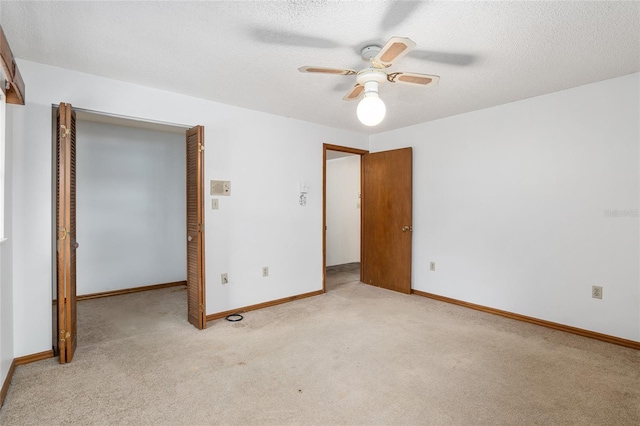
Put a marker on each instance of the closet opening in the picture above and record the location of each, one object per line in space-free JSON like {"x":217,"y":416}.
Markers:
{"x":122,"y":209}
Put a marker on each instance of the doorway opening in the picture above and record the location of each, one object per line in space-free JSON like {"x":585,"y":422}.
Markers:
{"x":123,"y":192}
{"x":385,"y":217}
{"x":342,"y":215}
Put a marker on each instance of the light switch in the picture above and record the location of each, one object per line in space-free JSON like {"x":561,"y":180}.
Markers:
{"x":214,"y":204}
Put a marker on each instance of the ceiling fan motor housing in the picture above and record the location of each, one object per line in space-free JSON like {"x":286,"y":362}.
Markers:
{"x":370,"y":52}
{"x":370,"y":78}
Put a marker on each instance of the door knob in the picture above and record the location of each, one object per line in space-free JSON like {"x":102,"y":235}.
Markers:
{"x":76,"y":245}
{"x":406,"y":228}
{"x":189,"y":238}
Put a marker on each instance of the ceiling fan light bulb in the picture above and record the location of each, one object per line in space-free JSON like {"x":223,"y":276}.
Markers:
{"x":371,"y":110}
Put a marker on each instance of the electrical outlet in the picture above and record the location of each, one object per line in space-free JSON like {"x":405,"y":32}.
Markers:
{"x":265,"y":271}
{"x":596,"y":292}
{"x":224,"y":278}
{"x":432,"y":266}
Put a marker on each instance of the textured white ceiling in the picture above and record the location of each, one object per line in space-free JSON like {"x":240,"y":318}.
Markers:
{"x":247,"y":53}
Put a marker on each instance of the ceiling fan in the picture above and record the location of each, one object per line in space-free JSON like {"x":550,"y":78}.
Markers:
{"x":371,"y":110}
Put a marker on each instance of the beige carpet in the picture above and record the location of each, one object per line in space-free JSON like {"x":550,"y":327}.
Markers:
{"x":357,"y":355}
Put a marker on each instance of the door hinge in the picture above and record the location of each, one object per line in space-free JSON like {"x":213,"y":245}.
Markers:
{"x":64,"y":335}
{"x":200,"y":147}
{"x":64,"y":132}
{"x":62,"y":233}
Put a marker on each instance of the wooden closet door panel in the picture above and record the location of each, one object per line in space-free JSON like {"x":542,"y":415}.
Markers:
{"x":66,"y":231}
{"x":195,"y":228}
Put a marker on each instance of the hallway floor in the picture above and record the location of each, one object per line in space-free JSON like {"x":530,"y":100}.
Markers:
{"x":342,"y":274}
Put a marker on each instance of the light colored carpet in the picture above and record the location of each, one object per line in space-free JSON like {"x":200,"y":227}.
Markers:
{"x":357,"y":355}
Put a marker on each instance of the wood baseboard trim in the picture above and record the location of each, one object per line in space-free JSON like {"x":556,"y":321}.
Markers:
{"x":28,"y":359}
{"x":556,"y":326}
{"x":7,"y":382}
{"x":129,"y":290}
{"x":263,"y":305}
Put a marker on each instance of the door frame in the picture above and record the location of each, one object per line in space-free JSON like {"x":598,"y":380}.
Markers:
{"x":329,"y":147}
{"x":54,"y":237}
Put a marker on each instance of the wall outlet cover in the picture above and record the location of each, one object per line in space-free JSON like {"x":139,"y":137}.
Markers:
{"x":596,"y":292}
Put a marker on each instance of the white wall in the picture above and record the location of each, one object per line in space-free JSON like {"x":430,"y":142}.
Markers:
{"x":131,"y":214}
{"x":510,"y":202}
{"x":6,"y":267}
{"x":6,"y":251}
{"x":343,"y":210}
{"x":260,"y":224}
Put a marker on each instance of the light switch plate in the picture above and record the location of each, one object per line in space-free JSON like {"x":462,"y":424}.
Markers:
{"x":214,"y":204}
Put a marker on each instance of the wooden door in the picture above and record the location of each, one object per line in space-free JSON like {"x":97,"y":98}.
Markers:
{"x":386,"y":219}
{"x":66,"y":231}
{"x":195,"y":228}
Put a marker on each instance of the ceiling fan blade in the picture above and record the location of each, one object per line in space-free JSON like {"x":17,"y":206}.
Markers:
{"x":395,"y":49}
{"x":460,"y":59}
{"x":398,"y":12}
{"x":354,"y":93}
{"x":413,"y":78}
{"x":323,"y":70}
{"x":289,"y":38}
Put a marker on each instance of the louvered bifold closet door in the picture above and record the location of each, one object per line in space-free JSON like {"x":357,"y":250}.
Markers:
{"x":195,"y":227}
{"x":66,"y":231}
